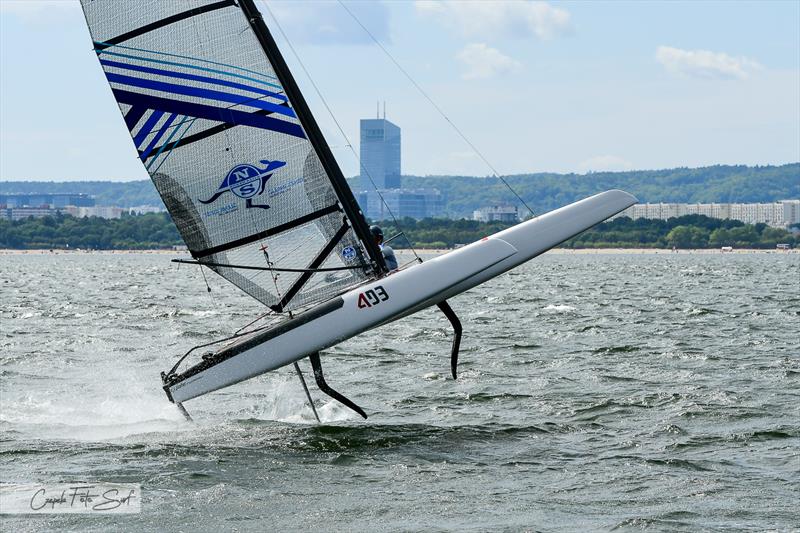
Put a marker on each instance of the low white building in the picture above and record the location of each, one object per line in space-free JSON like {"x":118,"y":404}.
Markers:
{"x":20,"y":213}
{"x":779,"y":214}
{"x":145,"y":209}
{"x":496,"y":213}
{"x":98,"y":211}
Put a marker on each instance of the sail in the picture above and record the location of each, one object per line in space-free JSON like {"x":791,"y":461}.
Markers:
{"x":223,"y":131}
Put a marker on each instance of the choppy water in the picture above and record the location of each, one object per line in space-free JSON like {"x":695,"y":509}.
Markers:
{"x":596,"y":392}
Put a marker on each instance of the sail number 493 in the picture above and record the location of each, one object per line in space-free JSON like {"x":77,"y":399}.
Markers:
{"x":372,"y":297}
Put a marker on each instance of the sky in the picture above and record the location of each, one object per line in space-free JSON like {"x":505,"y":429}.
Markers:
{"x":534,"y":86}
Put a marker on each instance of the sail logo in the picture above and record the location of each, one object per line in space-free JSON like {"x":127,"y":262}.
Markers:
{"x":246,"y":182}
{"x":349,"y":253}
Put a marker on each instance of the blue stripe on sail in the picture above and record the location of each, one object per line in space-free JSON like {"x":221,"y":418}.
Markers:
{"x":215,"y":71}
{"x":148,"y":126}
{"x":192,"y":77}
{"x":174,"y":145}
{"x":158,"y":136}
{"x":201,"y":93}
{"x":104,"y":51}
{"x":133,"y":116}
{"x":169,"y":139}
{"x":217,"y":114}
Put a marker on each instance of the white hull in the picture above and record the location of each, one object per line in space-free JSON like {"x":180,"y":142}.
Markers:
{"x":398,"y":295}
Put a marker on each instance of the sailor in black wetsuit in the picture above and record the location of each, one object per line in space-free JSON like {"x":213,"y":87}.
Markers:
{"x":388,"y":253}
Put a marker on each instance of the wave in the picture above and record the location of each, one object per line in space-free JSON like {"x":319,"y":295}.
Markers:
{"x":559,"y":308}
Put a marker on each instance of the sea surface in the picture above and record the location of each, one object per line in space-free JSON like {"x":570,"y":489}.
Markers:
{"x":597,"y":392}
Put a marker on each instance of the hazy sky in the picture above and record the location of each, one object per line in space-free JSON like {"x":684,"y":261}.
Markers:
{"x":536,"y":86}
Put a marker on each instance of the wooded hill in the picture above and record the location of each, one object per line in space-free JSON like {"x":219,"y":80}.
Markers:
{"x":542,"y":191}
{"x":546,"y":191}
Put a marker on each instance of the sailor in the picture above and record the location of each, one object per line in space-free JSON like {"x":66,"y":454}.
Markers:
{"x":386,"y":250}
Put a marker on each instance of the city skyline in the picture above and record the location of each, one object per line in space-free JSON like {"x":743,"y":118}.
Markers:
{"x":536,"y":86}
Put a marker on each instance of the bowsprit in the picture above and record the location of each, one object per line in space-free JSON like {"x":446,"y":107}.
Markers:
{"x":247,"y":181}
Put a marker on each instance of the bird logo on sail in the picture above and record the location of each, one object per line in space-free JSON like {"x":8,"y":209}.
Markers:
{"x":247,"y":181}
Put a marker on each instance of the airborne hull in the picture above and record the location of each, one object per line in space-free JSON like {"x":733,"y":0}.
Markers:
{"x":393,"y":297}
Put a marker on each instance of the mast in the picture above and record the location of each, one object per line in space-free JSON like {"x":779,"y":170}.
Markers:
{"x":329,"y":164}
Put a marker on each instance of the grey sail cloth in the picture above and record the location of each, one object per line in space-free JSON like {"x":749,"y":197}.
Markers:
{"x":225,"y":148}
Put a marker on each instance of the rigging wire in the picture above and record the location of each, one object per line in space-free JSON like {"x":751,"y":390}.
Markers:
{"x":203,"y":272}
{"x":338,"y":125}
{"x":272,"y":273}
{"x":260,"y":317}
{"x":270,"y":266}
{"x":233,"y":337}
{"x":436,"y":107}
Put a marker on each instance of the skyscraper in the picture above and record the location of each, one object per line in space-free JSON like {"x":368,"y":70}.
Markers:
{"x":380,"y":154}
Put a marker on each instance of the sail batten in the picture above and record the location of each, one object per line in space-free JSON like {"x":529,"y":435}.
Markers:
{"x":177,"y":17}
{"x":267,"y":233}
{"x":229,"y":142}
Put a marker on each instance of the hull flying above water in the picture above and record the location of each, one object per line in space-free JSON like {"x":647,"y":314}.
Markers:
{"x":255,"y":192}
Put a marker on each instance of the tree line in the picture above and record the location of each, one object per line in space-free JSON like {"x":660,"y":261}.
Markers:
{"x":150,"y":231}
{"x":686,"y":232}
{"x":156,"y":230}
{"x":691,"y":231}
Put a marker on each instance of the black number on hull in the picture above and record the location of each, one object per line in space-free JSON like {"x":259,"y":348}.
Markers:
{"x":372,"y":297}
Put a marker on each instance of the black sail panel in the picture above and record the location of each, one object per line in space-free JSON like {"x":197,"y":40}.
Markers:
{"x":219,"y":124}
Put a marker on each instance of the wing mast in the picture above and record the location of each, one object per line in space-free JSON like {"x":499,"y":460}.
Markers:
{"x":343,"y":192}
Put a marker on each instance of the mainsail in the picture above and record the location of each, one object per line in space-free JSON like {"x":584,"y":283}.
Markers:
{"x":230,"y":144}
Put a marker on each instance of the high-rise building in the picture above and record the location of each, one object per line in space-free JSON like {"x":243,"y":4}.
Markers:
{"x":380,"y":193}
{"x":380,"y":154}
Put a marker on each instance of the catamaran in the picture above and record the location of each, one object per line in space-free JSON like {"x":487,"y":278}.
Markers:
{"x":236,"y":155}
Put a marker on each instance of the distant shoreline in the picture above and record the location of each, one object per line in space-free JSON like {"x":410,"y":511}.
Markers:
{"x":554,"y":251}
